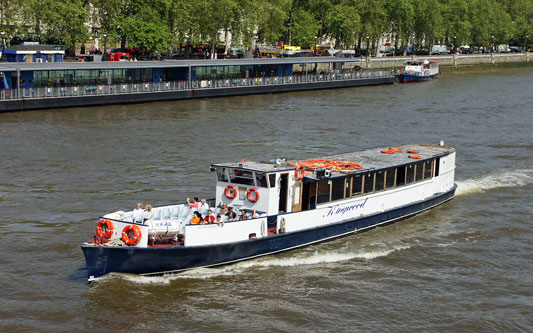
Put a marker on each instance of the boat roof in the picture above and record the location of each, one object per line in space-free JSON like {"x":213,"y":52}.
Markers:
{"x":370,"y":159}
{"x":421,"y":62}
{"x":51,"y":66}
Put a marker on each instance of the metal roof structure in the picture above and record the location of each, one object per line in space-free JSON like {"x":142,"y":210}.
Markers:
{"x":371,"y":159}
{"x":51,"y":66}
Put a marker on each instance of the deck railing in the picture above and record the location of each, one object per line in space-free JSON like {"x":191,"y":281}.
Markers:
{"x":154,"y":87}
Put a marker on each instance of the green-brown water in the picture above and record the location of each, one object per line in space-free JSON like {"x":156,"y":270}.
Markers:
{"x":465,"y":266}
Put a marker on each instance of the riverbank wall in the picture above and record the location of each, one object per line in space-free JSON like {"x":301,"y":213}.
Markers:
{"x":455,"y":60}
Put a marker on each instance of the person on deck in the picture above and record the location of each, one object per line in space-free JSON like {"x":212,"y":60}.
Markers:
{"x":194,"y":205}
{"x":209,"y":218}
{"x":224,"y":210}
{"x":243,"y":215}
{"x":197,"y":218}
{"x":254,"y":214}
{"x":203,"y":206}
{"x":219,"y":220}
{"x":147,"y":213}
{"x":232,"y":216}
{"x":138,"y":213}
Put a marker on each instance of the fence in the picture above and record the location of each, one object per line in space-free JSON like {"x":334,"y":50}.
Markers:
{"x":153,"y":87}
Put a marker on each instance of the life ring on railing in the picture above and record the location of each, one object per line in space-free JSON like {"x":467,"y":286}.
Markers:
{"x":232,"y":194}
{"x":104,"y":229}
{"x":299,"y":172}
{"x":136,"y":234}
{"x":249,"y":192}
{"x":415,"y":157}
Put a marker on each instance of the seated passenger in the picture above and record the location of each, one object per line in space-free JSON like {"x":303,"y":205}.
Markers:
{"x":138,"y":213}
{"x":147,"y":213}
{"x":254,"y":214}
{"x":194,"y":205}
{"x":219,"y":220}
{"x":209,"y":218}
{"x":203,"y":206}
{"x":243,"y":215}
{"x":224,"y":210}
{"x":197,"y":218}
{"x":232,"y":216}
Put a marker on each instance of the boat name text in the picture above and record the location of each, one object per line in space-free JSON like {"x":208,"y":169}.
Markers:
{"x":342,"y":210}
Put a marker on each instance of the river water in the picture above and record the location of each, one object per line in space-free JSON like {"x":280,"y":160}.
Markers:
{"x":464,"y":266}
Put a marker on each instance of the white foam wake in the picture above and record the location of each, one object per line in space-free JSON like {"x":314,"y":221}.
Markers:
{"x":262,"y":263}
{"x":520,"y":177}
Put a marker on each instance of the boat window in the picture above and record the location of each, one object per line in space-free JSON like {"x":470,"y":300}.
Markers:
{"x":427,"y":169}
{"x":272,"y":179}
{"x":337,"y":189}
{"x":348,"y":191}
{"x":419,"y":171}
{"x":410,"y":177}
{"x":369,"y":183}
{"x":389,"y":180}
{"x":437,"y":166}
{"x":312,"y":195}
{"x":380,"y":180}
{"x":357,"y":183}
{"x":260,"y":179}
{"x":241,"y":177}
{"x":221,"y":175}
{"x":323,"y":192}
{"x":400,"y":176}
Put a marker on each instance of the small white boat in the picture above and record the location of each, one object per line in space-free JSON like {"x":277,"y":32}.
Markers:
{"x":419,"y":71}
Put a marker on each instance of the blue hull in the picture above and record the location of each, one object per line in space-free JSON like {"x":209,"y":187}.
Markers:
{"x":103,"y":260}
{"x":415,"y":78}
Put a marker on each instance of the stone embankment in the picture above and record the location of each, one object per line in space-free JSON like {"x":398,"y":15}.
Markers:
{"x":455,"y":60}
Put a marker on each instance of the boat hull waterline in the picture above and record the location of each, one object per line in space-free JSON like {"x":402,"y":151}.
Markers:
{"x":102,"y":260}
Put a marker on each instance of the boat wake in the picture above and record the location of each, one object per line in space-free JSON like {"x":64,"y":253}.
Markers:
{"x":318,"y":257}
{"x":520,"y":177}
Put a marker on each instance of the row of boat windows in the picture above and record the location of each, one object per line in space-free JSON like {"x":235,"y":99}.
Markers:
{"x":338,"y":189}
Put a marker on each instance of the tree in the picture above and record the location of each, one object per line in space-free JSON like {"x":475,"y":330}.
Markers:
{"x":401,"y":17}
{"x":61,"y":22}
{"x":428,"y":22}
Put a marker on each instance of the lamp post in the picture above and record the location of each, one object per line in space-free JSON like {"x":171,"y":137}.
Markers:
{"x":367,"y":45}
{"x":105,"y":43}
{"x":316,"y":37}
{"x":454,"y":44}
{"x":3,"y":33}
{"x":527,"y":45}
{"x":492,"y":44}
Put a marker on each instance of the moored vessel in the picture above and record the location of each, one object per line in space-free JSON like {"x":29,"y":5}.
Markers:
{"x":415,"y":71}
{"x":284,"y":205}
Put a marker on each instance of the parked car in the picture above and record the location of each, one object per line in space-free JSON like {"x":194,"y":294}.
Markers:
{"x":515,"y":49}
{"x":235,"y":54}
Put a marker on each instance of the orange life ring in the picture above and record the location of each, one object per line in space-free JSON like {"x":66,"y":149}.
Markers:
{"x":104,"y":229}
{"x":233,"y":193}
{"x":413,"y":151}
{"x":254,"y":199}
{"x":136,"y":234}
{"x":299,"y":172}
{"x":415,"y":157}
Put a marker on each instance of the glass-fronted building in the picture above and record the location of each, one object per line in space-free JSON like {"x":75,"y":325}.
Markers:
{"x":35,"y":75}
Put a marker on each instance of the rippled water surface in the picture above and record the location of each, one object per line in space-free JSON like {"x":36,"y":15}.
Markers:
{"x":465,"y":266}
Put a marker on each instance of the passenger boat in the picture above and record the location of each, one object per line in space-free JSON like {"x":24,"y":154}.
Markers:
{"x":298,"y":203}
{"x":419,"y":71}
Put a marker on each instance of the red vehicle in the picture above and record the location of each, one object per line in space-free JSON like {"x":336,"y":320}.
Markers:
{"x":119,"y":56}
